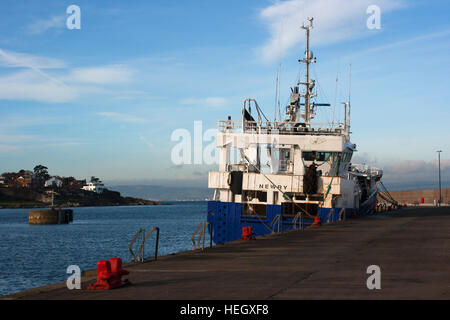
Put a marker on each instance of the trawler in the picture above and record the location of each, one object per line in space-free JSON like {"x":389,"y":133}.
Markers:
{"x":308,"y":178}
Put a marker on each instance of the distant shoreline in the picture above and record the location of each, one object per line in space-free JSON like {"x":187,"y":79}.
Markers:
{"x":29,"y":199}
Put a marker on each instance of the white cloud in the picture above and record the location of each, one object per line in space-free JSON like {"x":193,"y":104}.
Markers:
{"x":334,"y":21}
{"x":34,"y":83}
{"x":121,"y":117}
{"x":28,"y":85}
{"x":410,"y":41}
{"x":102,"y":75}
{"x":24,"y":60}
{"x":42,"y":25}
{"x":215,"y":102}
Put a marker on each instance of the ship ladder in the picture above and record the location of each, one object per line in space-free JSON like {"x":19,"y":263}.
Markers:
{"x":141,"y":255}
{"x":342,"y":214}
{"x":298,"y":217}
{"x":276,"y":221}
{"x":140,"y":252}
{"x":330,"y":216}
{"x":130,"y":247}
{"x":201,"y":235}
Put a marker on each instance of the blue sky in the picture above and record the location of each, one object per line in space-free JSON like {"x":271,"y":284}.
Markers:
{"x":105,"y":99}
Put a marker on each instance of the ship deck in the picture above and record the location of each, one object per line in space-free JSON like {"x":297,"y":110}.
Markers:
{"x":411,"y":246}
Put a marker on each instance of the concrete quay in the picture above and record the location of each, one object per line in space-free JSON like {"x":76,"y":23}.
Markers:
{"x":411,"y":246}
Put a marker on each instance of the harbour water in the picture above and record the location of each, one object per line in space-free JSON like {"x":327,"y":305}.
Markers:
{"x":32,"y":256}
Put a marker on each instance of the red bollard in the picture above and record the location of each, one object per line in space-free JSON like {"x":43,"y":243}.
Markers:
{"x":103,"y":275}
{"x":109,"y":275}
{"x":116,"y":268}
{"x":247,"y":234}
{"x":317,"y":221}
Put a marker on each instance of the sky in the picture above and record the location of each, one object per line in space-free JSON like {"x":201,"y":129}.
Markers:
{"x":104,"y":100}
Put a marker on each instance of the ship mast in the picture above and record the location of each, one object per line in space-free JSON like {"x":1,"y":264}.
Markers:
{"x":293,"y":110}
{"x":309,"y":83}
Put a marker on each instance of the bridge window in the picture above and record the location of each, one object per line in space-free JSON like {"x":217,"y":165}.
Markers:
{"x":316,"y":156}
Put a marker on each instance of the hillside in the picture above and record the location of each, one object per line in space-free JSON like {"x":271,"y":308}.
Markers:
{"x":25,"y":198}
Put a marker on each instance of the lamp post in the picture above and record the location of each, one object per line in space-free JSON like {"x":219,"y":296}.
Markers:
{"x":439,"y":164}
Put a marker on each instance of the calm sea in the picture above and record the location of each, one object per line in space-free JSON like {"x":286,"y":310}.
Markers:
{"x":32,"y":256}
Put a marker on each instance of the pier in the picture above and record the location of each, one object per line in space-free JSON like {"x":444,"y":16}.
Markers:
{"x":411,"y":247}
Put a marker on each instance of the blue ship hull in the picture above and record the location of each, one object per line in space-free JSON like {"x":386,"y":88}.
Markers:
{"x":227,"y":221}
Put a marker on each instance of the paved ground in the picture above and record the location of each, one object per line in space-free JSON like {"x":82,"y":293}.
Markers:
{"x":411,"y":246}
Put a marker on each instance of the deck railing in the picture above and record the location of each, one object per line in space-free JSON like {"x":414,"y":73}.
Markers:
{"x":275,"y":127}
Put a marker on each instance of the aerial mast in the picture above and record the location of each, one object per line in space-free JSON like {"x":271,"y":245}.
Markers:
{"x":293,"y":110}
{"x":309,"y":83}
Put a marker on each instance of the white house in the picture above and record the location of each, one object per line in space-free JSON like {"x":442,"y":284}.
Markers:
{"x":53,"y":182}
{"x":94,"y":187}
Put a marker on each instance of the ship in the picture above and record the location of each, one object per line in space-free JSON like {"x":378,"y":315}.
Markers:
{"x":309,"y":177}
